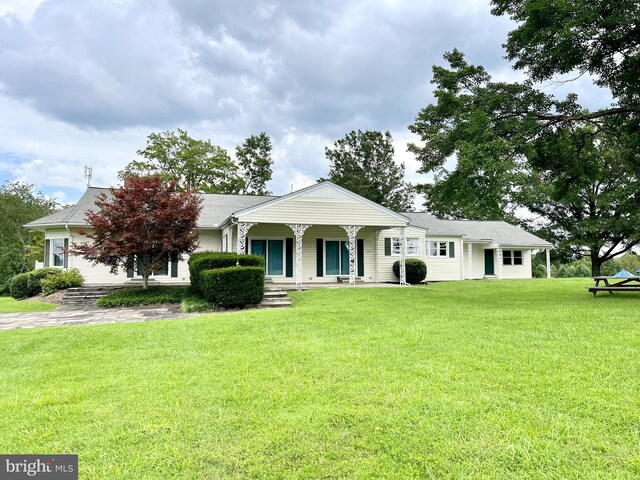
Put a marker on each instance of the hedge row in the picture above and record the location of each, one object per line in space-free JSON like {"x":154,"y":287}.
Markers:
{"x":227,"y":279}
{"x":133,"y":297}
{"x":233,"y":286}
{"x":201,"y":261}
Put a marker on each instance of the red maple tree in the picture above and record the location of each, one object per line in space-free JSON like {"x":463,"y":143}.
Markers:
{"x":141,"y":225}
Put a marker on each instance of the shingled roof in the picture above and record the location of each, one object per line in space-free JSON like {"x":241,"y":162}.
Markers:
{"x":500,"y":232}
{"x":216,"y":208}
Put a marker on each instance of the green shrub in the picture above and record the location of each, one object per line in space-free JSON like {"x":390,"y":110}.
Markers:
{"x":61,"y":280}
{"x":19,"y":286}
{"x":233,"y":286}
{"x":5,"y":288}
{"x":415,"y":270}
{"x":201,"y":261}
{"x":582,"y":271}
{"x":133,"y":297}
{"x":539,"y":271}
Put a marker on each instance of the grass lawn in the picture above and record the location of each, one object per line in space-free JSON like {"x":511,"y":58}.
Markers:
{"x":513,"y":379}
{"x":9,"y":305}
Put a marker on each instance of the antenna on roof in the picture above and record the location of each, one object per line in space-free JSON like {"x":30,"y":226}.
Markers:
{"x":88,"y":173}
{"x":292,"y":188}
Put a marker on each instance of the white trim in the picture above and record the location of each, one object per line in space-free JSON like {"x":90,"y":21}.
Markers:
{"x":406,"y":240}
{"x":512,"y":258}
{"x":291,"y":196}
{"x":51,"y":250}
{"x":437,"y":242}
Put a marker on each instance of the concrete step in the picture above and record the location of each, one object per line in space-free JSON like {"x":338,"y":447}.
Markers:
{"x":274,"y":303}
{"x":275,"y":298}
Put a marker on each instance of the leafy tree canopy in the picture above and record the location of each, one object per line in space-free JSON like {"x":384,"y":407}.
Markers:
{"x":20,"y":204}
{"x":200,"y":166}
{"x":515,"y":146}
{"x":363,"y":163}
{"x":142,"y":224}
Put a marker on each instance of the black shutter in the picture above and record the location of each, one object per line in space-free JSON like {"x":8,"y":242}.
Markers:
{"x":387,"y":247}
{"x":47,"y":252}
{"x":319,"y":259}
{"x":129,"y":272}
{"x":66,"y":253}
{"x":246,"y":245}
{"x":289,"y":257}
{"x":360,"y":255}
{"x":174,"y":265}
{"x":452,"y":249}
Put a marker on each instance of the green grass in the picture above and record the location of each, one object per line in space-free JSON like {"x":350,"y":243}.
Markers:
{"x":506,"y":380}
{"x":9,"y":305}
{"x":134,"y":297}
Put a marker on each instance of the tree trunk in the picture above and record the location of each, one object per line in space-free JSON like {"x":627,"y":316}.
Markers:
{"x":596,"y":263}
{"x":145,"y":279}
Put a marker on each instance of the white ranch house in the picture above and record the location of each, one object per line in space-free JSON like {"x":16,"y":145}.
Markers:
{"x":320,"y":234}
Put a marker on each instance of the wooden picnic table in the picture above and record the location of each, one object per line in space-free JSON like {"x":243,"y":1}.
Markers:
{"x":615,"y":284}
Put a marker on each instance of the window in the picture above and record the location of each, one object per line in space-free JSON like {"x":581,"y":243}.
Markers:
{"x":57,"y":252}
{"x":413,"y":246}
{"x":438,"y":249}
{"x":512,"y":257}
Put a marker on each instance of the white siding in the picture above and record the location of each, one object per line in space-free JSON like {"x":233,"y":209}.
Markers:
{"x":518,"y":271}
{"x":323,"y":211}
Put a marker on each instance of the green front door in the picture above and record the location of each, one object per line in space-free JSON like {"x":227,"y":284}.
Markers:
{"x":488,"y":262}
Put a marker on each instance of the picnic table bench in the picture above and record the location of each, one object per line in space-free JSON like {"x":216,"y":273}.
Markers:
{"x":623,"y":284}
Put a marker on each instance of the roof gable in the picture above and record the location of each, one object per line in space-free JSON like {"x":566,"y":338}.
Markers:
{"x":323,"y":204}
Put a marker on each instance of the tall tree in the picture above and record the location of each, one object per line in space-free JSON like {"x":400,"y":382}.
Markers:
{"x":196,"y":165}
{"x":254,"y":162}
{"x":141,"y":225}
{"x":363,"y":163}
{"x":199,"y":166}
{"x":19,"y":204}
{"x":498,"y":131}
{"x":586,"y":191}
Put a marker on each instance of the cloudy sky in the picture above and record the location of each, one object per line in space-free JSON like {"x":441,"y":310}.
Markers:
{"x":85,"y":82}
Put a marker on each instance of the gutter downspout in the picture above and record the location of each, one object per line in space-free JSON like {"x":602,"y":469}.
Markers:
{"x":66,"y":226}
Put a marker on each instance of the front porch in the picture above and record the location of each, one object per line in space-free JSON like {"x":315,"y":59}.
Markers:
{"x":309,"y":256}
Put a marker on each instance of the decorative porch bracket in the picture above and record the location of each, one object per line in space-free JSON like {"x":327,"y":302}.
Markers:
{"x":499,"y":255}
{"x":469,"y":261}
{"x":243,"y":229}
{"x":548,"y":263}
{"x":298,"y":231}
{"x":403,"y":266}
{"x":352,"y":231}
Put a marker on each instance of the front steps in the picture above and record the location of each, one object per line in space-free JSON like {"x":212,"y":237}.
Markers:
{"x":275,"y":298}
{"x":86,"y":296}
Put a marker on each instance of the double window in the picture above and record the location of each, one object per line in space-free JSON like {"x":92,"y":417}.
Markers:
{"x":512,"y":257}
{"x":438,"y":249}
{"x":413,"y":246}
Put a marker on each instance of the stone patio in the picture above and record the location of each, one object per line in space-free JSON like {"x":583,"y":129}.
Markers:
{"x":63,"y":316}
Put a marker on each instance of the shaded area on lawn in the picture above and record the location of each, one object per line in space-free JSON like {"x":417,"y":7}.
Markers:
{"x":503,"y":379}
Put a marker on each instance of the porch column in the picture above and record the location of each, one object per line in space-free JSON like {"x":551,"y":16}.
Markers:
{"x":352,"y":231}
{"x":469,"y":261}
{"x":403,"y":266}
{"x":376,"y":239}
{"x":548,"y":263}
{"x":243,"y":229}
{"x":298,"y":231}
{"x":499,"y":259}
